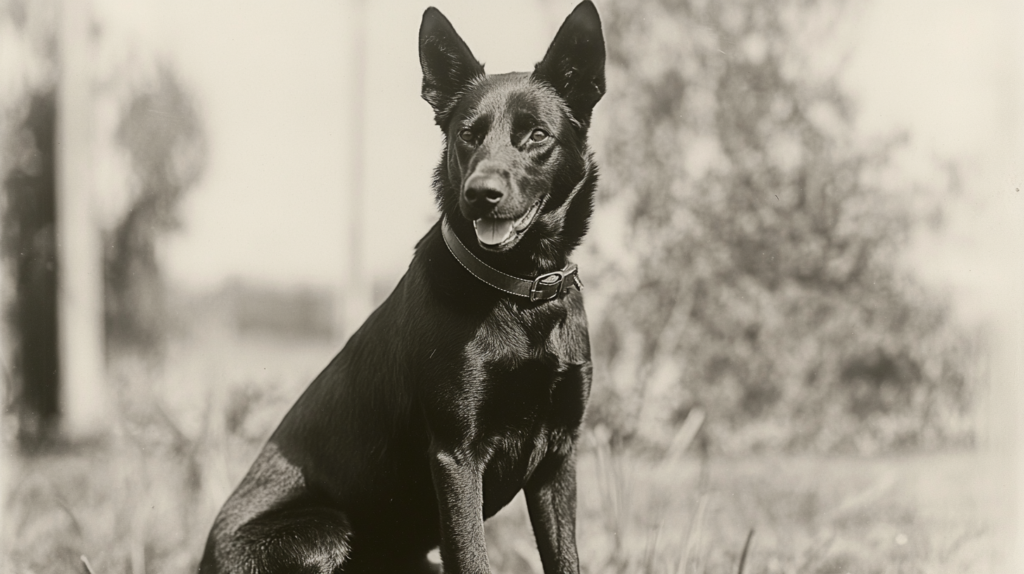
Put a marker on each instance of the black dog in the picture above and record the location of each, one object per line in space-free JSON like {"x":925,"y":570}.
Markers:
{"x":470,"y":381}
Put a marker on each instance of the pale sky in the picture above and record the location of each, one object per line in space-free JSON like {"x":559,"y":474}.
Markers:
{"x":271,"y":79}
{"x":950,"y":72}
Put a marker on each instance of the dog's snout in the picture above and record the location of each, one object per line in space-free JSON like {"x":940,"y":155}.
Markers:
{"x":484,"y":190}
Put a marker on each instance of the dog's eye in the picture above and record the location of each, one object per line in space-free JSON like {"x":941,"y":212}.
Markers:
{"x":466,"y":135}
{"x":538,"y":135}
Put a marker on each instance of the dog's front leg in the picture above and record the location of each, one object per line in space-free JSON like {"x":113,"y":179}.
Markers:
{"x":551,"y":499}
{"x":458,"y":484}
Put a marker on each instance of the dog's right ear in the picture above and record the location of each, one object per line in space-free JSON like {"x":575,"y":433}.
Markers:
{"x":448,"y":65}
{"x":574,"y":63}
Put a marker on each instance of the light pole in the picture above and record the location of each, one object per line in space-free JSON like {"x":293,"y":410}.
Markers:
{"x":83,"y":399}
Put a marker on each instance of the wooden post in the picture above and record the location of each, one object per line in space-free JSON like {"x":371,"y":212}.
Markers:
{"x":83,"y":397}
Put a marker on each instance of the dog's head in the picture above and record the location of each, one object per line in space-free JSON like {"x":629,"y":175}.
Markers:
{"x":515,"y":144}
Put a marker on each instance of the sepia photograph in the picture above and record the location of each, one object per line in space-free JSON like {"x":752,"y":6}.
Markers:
{"x":535,"y":287}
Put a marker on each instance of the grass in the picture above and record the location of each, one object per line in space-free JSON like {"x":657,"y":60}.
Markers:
{"x":923,"y":513}
{"x":186,"y":429}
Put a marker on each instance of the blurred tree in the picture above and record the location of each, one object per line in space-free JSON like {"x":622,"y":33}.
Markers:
{"x":764,"y":284}
{"x":163,"y":135}
{"x":28,"y":245}
{"x":28,"y":233}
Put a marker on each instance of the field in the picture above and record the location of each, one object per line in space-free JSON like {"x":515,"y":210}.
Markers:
{"x":143,"y":501}
{"x":133,"y":512}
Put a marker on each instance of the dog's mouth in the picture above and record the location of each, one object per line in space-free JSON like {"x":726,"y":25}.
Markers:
{"x":500,"y":234}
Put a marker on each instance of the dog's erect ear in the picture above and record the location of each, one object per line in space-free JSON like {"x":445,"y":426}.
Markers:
{"x":448,"y":65}
{"x":574,"y":63}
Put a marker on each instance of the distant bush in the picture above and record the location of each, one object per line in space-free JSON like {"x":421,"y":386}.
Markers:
{"x":302,"y":312}
{"x":762,"y":283}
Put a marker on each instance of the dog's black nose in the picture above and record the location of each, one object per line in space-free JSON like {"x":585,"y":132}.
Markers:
{"x":483,"y":190}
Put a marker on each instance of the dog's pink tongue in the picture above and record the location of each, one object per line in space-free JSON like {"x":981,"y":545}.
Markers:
{"x":493,"y":231}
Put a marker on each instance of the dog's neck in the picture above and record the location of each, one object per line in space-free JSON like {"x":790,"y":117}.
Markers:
{"x":543,"y":287}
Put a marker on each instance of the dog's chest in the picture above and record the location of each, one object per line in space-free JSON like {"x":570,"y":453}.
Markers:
{"x":528,"y":414}
{"x":532,"y":369}
{"x":533,"y":374}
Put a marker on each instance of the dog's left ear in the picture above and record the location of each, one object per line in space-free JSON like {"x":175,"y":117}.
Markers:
{"x":574,"y":63}
{"x":448,"y":65}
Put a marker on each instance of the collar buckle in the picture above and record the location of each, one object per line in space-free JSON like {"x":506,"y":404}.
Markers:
{"x":550,"y":285}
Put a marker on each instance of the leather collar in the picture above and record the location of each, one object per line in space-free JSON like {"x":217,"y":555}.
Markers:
{"x":544,"y":287}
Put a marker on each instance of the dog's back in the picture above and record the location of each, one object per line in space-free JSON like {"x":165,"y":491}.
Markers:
{"x":457,"y":392}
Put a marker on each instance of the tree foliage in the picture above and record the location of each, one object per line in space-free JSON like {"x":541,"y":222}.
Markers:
{"x":159,"y":130}
{"x":763,"y":285}
{"x":162,"y":133}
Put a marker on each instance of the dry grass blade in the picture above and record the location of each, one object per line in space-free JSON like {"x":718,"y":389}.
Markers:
{"x":686,"y":434}
{"x":85,"y":565}
{"x":615,"y":485}
{"x":63,"y":505}
{"x":743,"y":555}
{"x":694,"y":536}
{"x":649,"y":558}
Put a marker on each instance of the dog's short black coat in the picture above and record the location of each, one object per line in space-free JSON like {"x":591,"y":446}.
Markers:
{"x":452,"y":396}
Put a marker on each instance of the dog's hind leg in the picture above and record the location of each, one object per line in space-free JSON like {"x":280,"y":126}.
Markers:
{"x":306,"y":540}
